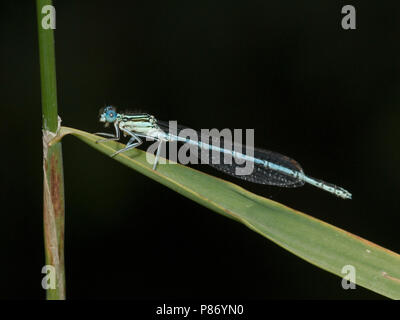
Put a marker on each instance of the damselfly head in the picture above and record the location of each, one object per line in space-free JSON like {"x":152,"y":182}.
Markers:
{"x":108,"y":115}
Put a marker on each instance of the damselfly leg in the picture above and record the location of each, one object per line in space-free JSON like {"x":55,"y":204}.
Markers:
{"x":131,"y":144}
{"x":113,"y":137}
{"x":158,"y":154}
{"x":158,"y":148}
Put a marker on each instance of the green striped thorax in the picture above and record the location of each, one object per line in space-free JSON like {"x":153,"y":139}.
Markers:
{"x":136,"y":122}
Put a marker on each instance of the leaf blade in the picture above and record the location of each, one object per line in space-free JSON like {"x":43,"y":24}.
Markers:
{"x":311,"y":239}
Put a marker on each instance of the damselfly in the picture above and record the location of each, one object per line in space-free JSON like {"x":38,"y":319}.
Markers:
{"x":270,"y":168}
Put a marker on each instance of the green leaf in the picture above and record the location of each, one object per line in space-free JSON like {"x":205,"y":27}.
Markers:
{"x":313,"y":240}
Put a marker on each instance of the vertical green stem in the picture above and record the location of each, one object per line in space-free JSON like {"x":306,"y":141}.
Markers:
{"x":53,"y":179}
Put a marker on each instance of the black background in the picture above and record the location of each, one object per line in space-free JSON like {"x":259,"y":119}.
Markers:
{"x":325,"y":96}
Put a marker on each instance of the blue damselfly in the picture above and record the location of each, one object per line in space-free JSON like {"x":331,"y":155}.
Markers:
{"x":269,"y":167}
